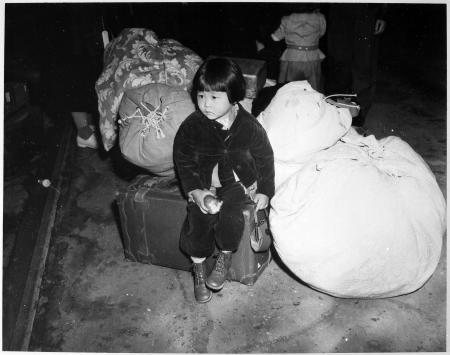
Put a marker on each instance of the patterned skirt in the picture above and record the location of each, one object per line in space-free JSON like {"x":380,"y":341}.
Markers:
{"x":296,"y":71}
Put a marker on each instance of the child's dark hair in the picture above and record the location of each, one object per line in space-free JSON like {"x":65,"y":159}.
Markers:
{"x":220,"y":74}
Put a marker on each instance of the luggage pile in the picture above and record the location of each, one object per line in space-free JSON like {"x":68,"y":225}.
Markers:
{"x":152,"y":211}
{"x":152,"y":208}
{"x":352,"y":216}
{"x":151,"y":74}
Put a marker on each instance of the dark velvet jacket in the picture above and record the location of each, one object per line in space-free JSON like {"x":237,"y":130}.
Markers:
{"x":198,"y":147}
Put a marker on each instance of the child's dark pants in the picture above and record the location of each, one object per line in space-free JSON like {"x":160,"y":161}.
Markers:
{"x":201,"y":232}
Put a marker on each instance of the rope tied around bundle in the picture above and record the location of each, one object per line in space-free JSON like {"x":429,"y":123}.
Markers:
{"x":152,"y":119}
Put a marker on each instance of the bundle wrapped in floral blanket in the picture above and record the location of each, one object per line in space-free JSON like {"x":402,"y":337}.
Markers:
{"x":137,"y":57}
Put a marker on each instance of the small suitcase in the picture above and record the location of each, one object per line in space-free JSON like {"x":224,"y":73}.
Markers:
{"x":152,"y":211}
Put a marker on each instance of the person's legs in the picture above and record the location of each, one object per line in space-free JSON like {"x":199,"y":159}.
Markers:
{"x":340,"y":34}
{"x":313,"y":73}
{"x":364,"y":67}
{"x":201,"y":292}
{"x":229,"y":228}
{"x":197,"y":241}
{"x":81,"y":99}
{"x":231,"y":219}
{"x":197,"y":234}
{"x":282,"y":73}
{"x":85,"y":130}
{"x":291,"y":71}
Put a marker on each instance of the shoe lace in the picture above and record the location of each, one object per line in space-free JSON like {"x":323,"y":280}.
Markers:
{"x":199,"y":275}
{"x":220,"y":263}
{"x":151,"y":120}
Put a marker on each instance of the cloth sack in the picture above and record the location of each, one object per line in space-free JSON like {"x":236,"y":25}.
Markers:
{"x":299,"y":122}
{"x":135,"y":58}
{"x":284,"y":170}
{"x":150,"y":118}
{"x":362,"y":219}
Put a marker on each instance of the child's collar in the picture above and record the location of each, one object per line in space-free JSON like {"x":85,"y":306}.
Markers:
{"x":226,"y":124}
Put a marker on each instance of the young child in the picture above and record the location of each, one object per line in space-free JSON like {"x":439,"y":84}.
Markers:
{"x":220,"y":150}
{"x":302,"y":58}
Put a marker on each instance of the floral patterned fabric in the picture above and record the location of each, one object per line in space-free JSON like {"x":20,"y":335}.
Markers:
{"x":137,"y":57}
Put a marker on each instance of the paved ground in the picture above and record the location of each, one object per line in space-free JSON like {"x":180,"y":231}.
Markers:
{"x":93,"y":300}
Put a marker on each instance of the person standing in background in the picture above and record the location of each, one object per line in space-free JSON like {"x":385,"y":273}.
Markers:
{"x":302,"y":59}
{"x":352,"y":51}
{"x":86,"y":54}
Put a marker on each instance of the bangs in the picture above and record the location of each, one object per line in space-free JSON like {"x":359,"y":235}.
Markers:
{"x":211,"y":82}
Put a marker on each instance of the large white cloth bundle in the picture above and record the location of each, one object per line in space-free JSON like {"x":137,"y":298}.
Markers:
{"x":363,"y":219}
{"x":284,"y":170}
{"x":299,"y":122}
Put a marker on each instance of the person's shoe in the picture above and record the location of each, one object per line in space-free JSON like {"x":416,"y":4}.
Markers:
{"x":91,"y":142}
{"x":217,"y":277}
{"x":201,"y":292}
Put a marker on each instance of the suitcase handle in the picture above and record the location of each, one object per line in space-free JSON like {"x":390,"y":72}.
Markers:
{"x":169,"y":185}
{"x":162,"y":184}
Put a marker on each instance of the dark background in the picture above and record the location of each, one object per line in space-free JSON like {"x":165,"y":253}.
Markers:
{"x":40,"y":39}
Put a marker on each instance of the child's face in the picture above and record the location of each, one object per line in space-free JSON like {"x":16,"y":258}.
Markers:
{"x":214,"y":104}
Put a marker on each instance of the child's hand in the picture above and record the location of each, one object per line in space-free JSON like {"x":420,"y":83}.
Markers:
{"x":198,"y":197}
{"x":261,"y":200}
